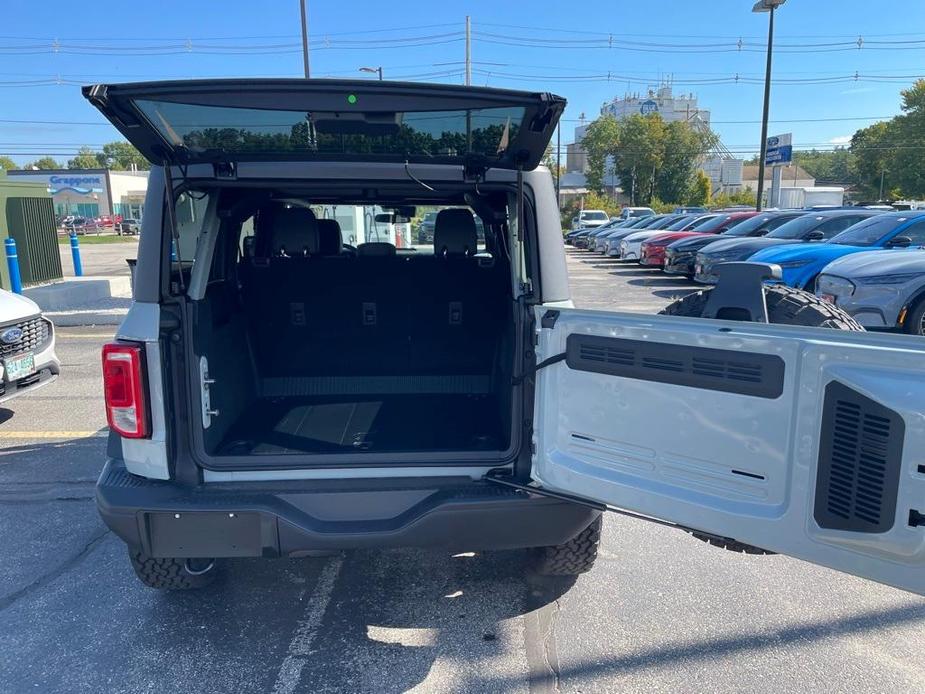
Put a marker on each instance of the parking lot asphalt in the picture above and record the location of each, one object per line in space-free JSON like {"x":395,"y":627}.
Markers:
{"x":100,"y":259}
{"x":661,"y":611}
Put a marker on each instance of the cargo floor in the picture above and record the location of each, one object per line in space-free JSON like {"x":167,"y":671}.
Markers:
{"x":376,"y":423}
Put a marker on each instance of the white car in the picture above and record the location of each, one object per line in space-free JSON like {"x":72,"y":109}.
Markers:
{"x":27,"y":346}
{"x":631,"y":246}
{"x":587,"y":219}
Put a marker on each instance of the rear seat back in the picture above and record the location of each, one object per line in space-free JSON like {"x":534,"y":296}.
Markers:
{"x":331,"y":314}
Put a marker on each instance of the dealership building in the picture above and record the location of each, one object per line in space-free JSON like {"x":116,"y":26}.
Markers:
{"x":91,"y":192}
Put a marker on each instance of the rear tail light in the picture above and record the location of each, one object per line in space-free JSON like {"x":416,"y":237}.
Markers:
{"x":125,"y":391}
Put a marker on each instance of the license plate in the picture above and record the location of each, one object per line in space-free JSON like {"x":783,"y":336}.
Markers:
{"x":828,"y":297}
{"x":19,"y":367}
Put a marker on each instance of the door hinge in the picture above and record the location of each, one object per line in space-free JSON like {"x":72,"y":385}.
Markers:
{"x":504,"y":478}
{"x":205,"y":385}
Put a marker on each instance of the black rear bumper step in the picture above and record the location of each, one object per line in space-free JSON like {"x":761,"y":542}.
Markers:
{"x":288,"y":519}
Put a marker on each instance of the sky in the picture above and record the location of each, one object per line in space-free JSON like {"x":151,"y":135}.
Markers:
{"x":588,"y":52}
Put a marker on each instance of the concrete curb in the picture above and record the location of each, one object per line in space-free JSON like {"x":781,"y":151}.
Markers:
{"x":78,"y":292}
{"x":80,"y":301}
{"x":87,"y":317}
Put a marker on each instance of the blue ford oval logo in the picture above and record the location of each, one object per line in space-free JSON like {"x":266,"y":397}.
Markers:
{"x":11,"y":336}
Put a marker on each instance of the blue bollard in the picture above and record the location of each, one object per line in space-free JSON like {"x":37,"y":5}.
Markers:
{"x":75,"y":256}
{"x":12,"y":262}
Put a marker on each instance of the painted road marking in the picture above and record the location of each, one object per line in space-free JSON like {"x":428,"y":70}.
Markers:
{"x":53,"y":434}
{"x":290,"y":672}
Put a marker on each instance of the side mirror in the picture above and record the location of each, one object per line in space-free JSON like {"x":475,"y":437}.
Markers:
{"x":815,"y":236}
{"x":899,"y":242}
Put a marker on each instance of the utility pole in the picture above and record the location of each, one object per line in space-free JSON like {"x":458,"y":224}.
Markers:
{"x":468,"y":51}
{"x":303,"y":7}
{"x":880,"y":199}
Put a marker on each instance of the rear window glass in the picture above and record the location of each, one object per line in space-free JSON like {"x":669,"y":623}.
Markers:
{"x":595,"y":216}
{"x":486,"y":131}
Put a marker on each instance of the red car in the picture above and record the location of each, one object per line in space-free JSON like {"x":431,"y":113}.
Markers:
{"x":653,"y":249}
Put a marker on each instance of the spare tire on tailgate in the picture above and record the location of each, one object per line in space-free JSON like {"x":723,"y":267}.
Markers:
{"x":786,"y":306}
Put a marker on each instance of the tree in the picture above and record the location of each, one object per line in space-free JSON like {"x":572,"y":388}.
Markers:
{"x":684,"y":147}
{"x":700,"y":191}
{"x":640,"y":154}
{"x":600,"y":142}
{"x":7,"y":164}
{"x":872,"y":156}
{"x":123,"y":155}
{"x":906,"y":138}
{"x":43,"y":163}
{"x":119,"y":156}
{"x":86,"y":158}
{"x":742,"y":197}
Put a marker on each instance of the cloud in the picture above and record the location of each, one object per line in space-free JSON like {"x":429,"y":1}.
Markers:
{"x":840,"y":140}
{"x":859,"y":90}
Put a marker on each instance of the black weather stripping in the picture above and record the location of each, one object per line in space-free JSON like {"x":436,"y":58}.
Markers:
{"x":759,"y":375}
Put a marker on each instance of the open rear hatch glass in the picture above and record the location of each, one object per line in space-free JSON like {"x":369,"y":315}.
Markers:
{"x":331,"y":120}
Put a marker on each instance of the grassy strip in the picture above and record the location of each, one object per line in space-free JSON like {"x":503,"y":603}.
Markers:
{"x":94,"y":239}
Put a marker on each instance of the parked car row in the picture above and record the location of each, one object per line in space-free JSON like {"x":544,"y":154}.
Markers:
{"x":83,"y":225}
{"x":867,"y":261}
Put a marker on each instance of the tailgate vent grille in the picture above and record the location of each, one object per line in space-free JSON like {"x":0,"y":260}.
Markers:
{"x":860,"y":454}
{"x":761,"y":375}
{"x":606,"y":354}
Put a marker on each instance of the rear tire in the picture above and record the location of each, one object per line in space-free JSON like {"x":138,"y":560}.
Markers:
{"x":172,"y":574}
{"x":786,"y":306}
{"x":576,"y":556}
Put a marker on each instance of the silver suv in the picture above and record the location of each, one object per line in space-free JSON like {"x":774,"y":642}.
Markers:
{"x":275,"y":391}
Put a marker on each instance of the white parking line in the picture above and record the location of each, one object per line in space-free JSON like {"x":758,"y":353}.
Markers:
{"x":290,"y":672}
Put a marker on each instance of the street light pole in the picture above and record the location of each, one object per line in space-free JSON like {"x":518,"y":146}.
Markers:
{"x":765,"y":6}
{"x":303,"y":7}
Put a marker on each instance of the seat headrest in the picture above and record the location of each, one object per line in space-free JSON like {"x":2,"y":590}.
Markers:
{"x":375,"y":248}
{"x":330,"y":239}
{"x":454,"y":232}
{"x":294,"y":232}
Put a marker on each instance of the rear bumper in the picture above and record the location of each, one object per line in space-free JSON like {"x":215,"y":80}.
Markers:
{"x":288,"y":519}
{"x":46,"y":374}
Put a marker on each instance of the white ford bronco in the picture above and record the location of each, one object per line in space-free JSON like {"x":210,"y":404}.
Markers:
{"x":292,"y":379}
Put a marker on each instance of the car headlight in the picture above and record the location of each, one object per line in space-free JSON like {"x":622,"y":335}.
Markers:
{"x":790,"y":264}
{"x":830,"y":284}
{"x":896,"y":278}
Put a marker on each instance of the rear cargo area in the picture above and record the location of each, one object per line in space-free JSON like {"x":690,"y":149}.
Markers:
{"x":317,"y":348}
{"x":381,"y":423}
